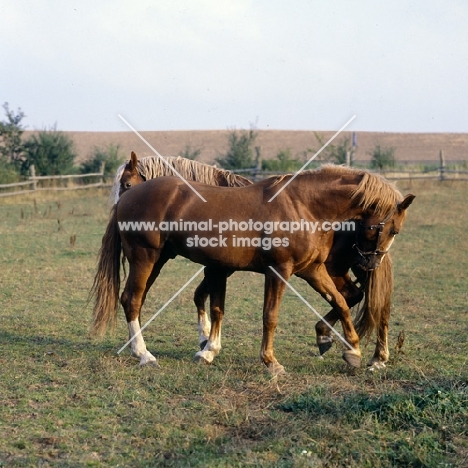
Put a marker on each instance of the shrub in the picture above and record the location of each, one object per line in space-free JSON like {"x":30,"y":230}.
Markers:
{"x":382,"y":158}
{"x":335,"y":153}
{"x":51,"y":152}
{"x":109,"y":155}
{"x":190,"y":153}
{"x":11,"y":131}
{"x":239,"y":154}
{"x":284,"y":162}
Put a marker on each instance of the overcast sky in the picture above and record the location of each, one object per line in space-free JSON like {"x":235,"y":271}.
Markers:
{"x":398,"y":65}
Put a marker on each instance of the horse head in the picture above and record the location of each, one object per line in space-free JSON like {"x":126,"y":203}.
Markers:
{"x":375,"y":236}
{"x":130,"y":175}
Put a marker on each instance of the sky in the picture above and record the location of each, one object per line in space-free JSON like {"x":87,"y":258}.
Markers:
{"x":397,"y":65}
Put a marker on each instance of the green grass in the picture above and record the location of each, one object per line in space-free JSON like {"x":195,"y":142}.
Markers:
{"x":68,"y":400}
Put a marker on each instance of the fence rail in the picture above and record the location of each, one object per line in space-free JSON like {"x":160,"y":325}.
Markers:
{"x":398,"y":174}
{"x":33,"y":181}
{"x":440,"y":173}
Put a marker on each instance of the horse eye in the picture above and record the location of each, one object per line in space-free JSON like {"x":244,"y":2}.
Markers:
{"x":393,"y":232}
{"x":127,"y":185}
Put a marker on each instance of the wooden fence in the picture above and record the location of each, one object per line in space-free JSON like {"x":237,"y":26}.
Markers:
{"x":441,"y":172}
{"x":35,"y":183}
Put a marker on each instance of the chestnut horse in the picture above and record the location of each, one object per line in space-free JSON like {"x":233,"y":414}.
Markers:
{"x":376,"y":286}
{"x":331,"y":194}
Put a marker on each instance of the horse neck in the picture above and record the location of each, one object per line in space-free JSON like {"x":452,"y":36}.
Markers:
{"x":326,"y":199}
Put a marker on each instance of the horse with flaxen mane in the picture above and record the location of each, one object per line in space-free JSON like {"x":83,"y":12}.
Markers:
{"x":330,"y":193}
{"x":373,"y":295}
{"x":137,"y":170}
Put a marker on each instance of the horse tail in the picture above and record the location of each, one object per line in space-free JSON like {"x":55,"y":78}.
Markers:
{"x":114,"y":195}
{"x":378,"y":291}
{"x":105,"y":289}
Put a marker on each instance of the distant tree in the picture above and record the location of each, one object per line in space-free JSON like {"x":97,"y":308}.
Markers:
{"x":240,"y":152}
{"x":335,"y":153}
{"x":284,"y":162}
{"x":190,"y":153}
{"x":382,"y":158}
{"x":51,"y":152}
{"x":11,"y":145}
{"x":109,"y":155}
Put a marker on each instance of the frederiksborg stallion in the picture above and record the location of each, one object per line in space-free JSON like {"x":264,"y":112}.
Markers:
{"x":373,"y":295}
{"x":330,"y":193}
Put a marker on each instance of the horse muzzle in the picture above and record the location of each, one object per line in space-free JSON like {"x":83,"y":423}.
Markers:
{"x":369,"y":261}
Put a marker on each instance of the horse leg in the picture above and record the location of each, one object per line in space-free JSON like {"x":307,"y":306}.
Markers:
{"x":216,"y":285}
{"x":274,"y":289}
{"x":204,"y":323}
{"x":318,"y":277}
{"x":144,"y":269}
{"x":375,"y":311}
{"x":323,"y":332}
{"x":381,"y":353}
{"x":352,"y":295}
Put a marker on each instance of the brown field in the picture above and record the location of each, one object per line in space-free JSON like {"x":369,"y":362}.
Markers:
{"x":417,"y":147}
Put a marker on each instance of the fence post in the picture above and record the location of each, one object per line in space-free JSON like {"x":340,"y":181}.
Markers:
{"x":32,"y":177}
{"x":258,"y":162}
{"x":442,"y":165}
{"x":103,"y":165}
{"x":348,"y":158}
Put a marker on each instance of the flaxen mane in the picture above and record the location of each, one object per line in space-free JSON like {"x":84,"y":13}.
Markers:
{"x":373,"y":191}
{"x":151,"y":167}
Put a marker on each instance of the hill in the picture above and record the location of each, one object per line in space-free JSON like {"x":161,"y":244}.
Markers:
{"x":416,"y":147}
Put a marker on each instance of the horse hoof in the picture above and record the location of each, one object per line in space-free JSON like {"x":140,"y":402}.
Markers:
{"x":276,"y":369}
{"x":200,"y":359}
{"x":150,"y":364}
{"x":352,"y":358}
{"x":324,"y":343}
{"x":324,"y":347}
{"x":377,"y":365}
{"x":203,"y":344}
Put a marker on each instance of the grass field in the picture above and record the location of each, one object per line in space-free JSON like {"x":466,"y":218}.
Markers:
{"x":67,"y":400}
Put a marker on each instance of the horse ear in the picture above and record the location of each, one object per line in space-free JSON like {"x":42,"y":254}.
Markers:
{"x":133,"y":161}
{"x":406,"y":202}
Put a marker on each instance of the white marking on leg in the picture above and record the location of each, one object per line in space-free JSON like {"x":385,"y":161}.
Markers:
{"x":324,"y":339}
{"x":204,"y":327}
{"x":376,"y":365}
{"x":137,"y":345}
{"x":210,"y":351}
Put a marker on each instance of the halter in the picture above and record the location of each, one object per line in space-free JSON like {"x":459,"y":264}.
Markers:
{"x":379,"y":228}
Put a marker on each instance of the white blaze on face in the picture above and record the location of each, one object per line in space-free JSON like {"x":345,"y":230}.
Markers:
{"x":387,"y":247}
